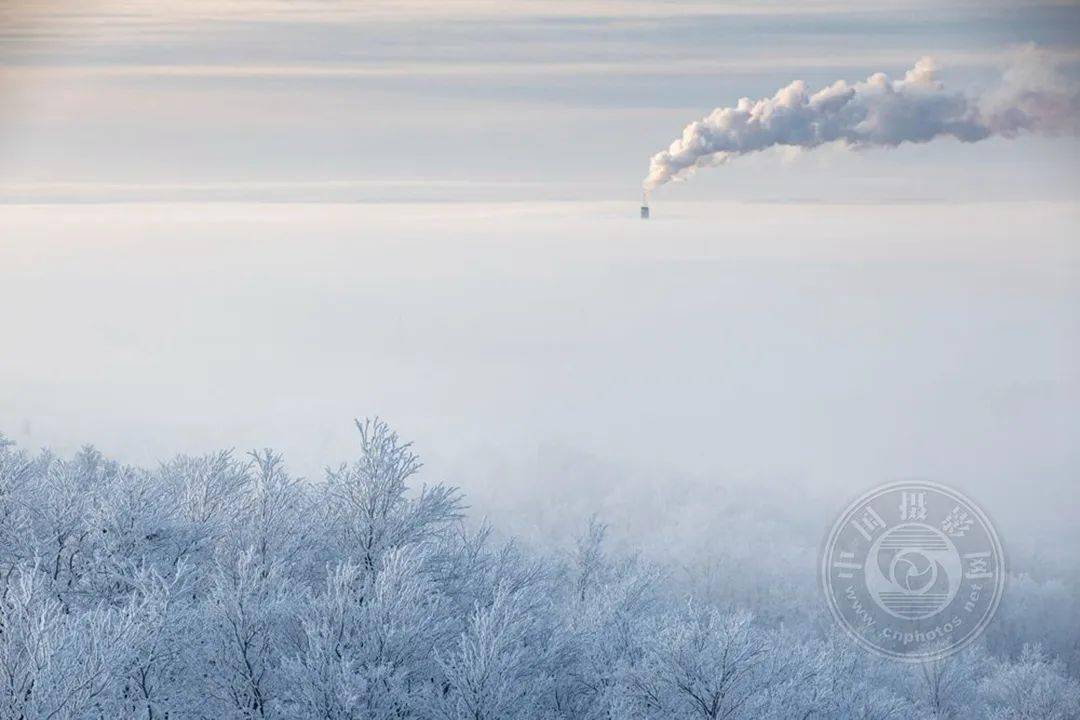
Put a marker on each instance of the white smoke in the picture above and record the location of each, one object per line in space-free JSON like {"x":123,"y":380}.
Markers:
{"x":1033,"y":96}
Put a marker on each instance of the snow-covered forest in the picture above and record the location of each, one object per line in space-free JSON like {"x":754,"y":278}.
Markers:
{"x":221,"y":586}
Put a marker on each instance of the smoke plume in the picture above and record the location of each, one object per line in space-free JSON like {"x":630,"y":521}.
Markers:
{"x":1033,"y":96}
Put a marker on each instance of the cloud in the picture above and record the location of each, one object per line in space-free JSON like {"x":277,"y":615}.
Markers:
{"x":1033,"y":96}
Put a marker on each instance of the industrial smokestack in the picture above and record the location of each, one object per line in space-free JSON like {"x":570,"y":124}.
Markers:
{"x":878,"y":112}
{"x":644,"y":206}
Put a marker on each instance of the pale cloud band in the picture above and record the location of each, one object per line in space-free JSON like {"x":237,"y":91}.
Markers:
{"x":674,"y":66}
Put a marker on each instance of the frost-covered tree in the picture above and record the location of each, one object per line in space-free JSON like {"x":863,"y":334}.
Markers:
{"x":18,"y":478}
{"x":858,"y":686}
{"x":248,"y":617}
{"x":221,"y":586}
{"x":603,"y":626}
{"x":1034,"y":687}
{"x":208,"y":492}
{"x":165,"y":649}
{"x":55,"y":663}
{"x":367,"y":641}
{"x":275,"y":513}
{"x":589,"y":558}
{"x":947,"y":688}
{"x":1043,"y":611}
{"x":63,"y":509}
{"x":701,"y":663}
{"x":368,"y":505}
{"x":499,"y":669}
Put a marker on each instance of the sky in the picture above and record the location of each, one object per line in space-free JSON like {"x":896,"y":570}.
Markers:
{"x":321,"y":100}
{"x":240,"y":224}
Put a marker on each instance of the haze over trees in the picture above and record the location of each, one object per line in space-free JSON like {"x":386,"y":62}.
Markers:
{"x":221,"y":586}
